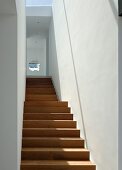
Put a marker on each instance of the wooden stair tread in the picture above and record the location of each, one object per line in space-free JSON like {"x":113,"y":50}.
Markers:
{"x":48,"y":116}
{"x":51,"y":129}
{"x":53,"y":142}
{"x":46,"y":109}
{"x":41,"y":90}
{"x":49,"y":120}
{"x":46,"y":103}
{"x":55,"y":149}
{"x":56,"y":162}
{"x":51,"y":138}
{"x":40,"y":86}
{"x":49,"y":123}
{"x":48,"y":113}
{"x":51,"y":132}
{"x":42,"y":95}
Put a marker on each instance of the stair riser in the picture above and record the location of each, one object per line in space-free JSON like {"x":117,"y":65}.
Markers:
{"x":46,"y":104}
{"x":36,"y":79}
{"x":53,"y":143}
{"x":51,"y":133}
{"x":42,"y":116}
{"x":40,"y":91}
{"x":40,"y":85}
{"x":49,"y":124}
{"x":38,"y":82}
{"x":58,"y":167}
{"x":41,"y":97}
{"x":55,"y":155}
{"x":46,"y":110}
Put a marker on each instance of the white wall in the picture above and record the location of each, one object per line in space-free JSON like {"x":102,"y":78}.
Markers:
{"x":8,"y":92}
{"x":47,"y":55}
{"x":120,"y":93}
{"x":12,"y":84}
{"x":93,"y":28}
{"x":21,"y":72}
{"x":61,"y":68}
{"x":36,"y":51}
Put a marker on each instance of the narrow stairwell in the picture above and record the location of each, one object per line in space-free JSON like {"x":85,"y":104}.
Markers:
{"x":51,"y":140}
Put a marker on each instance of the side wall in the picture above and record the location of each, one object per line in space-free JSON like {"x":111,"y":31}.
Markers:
{"x":21,"y":71}
{"x":120,"y":93}
{"x":8,"y":92}
{"x":12,"y":84}
{"x":93,"y":32}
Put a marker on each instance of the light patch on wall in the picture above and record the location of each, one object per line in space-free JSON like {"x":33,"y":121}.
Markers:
{"x":34,"y":66}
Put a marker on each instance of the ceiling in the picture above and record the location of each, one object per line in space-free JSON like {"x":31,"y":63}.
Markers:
{"x":7,"y":7}
{"x":38,"y":2}
{"x":37,"y":25}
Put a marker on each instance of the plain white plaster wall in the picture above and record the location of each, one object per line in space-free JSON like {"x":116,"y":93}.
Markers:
{"x":8,"y":92}
{"x":93,"y":28}
{"x":36,"y":51}
{"x":120,"y":93}
{"x":12,"y":84}
{"x":61,"y":67}
{"x":21,"y":72}
{"x":47,"y":55}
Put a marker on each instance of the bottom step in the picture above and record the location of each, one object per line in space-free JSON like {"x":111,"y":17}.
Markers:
{"x":57,"y":165}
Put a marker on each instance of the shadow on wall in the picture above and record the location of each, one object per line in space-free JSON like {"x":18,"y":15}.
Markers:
{"x":54,"y":66}
{"x":114,"y":10}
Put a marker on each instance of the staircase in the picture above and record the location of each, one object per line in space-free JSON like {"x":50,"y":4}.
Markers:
{"x":51,"y":140}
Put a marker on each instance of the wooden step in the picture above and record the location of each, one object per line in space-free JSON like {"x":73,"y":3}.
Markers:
{"x":39,"y":80}
{"x":40,"y":91}
{"x":38,"y":83}
{"x":39,"y":86}
{"x":57,"y":165}
{"x":48,"y":116}
{"x":51,"y":132}
{"x":52,"y":142}
{"x":41,"y":97}
{"x":46,"y":103}
{"x":40,"y":109}
{"x":55,"y":154}
{"x":49,"y":124}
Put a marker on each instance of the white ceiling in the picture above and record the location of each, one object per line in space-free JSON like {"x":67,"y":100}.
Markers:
{"x":7,"y":7}
{"x":37,"y":25}
{"x":38,"y":2}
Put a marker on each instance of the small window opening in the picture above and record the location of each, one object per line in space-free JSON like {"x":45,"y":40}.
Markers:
{"x":34,"y":66}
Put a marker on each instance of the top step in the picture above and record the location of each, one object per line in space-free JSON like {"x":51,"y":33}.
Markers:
{"x":38,"y":80}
